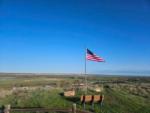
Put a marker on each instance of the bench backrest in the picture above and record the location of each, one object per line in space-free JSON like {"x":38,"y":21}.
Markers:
{"x":92,"y":98}
{"x":86,"y":98}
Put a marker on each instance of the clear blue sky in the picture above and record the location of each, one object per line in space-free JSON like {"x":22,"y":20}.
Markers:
{"x":51,"y":35}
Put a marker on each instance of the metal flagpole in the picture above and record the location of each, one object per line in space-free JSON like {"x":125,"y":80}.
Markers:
{"x":85,"y":72}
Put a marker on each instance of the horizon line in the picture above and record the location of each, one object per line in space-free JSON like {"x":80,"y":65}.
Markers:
{"x":67,"y":74}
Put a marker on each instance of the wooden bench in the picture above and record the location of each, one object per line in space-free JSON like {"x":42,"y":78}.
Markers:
{"x":91,"y":99}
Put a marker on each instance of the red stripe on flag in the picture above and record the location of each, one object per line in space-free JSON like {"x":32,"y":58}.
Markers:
{"x":93,"y":57}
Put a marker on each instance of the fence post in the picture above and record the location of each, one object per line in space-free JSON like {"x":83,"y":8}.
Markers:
{"x":74,"y":108}
{"x":7,"y":108}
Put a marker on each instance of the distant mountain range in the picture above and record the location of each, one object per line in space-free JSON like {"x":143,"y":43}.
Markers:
{"x":97,"y":73}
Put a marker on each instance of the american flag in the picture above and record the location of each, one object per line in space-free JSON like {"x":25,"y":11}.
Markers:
{"x":91,"y":56}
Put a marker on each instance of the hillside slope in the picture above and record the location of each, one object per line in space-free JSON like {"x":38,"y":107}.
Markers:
{"x":122,"y":102}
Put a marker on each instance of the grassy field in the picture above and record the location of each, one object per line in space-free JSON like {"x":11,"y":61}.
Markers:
{"x":122,"y":94}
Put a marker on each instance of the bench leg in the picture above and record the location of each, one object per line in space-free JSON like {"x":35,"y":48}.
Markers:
{"x":84,"y":105}
{"x":92,"y":105}
{"x":101,"y":103}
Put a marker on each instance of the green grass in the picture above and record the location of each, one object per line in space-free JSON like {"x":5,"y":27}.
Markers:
{"x":39,"y":98}
{"x":122,"y":102}
{"x":116,"y":100}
